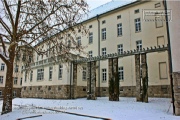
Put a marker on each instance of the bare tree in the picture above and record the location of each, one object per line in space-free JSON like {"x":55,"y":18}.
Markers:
{"x":26,"y":23}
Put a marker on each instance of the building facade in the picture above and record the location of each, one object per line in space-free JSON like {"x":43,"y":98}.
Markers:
{"x":17,"y":75}
{"x":121,"y":28}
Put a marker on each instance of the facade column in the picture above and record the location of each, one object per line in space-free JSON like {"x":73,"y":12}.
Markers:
{"x":74,"y":86}
{"x":144,"y":78}
{"x":138,"y":79}
{"x":91,"y":80}
{"x":113,"y":79}
{"x":176,"y":87}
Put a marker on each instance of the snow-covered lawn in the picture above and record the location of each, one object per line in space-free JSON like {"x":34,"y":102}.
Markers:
{"x":125,"y":109}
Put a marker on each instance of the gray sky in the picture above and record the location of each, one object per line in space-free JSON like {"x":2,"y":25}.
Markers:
{"x":95,"y":3}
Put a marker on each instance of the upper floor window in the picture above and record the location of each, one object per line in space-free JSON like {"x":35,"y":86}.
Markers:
{"x":120,"y":49}
{"x":158,"y":20}
{"x":78,"y":41}
{"x":103,"y":51}
{"x":84,"y":73}
{"x":15,"y":80}
{"x":121,"y":73}
{"x":119,"y":17}
{"x":0,"y":93}
{"x":40,"y":74}
{"x":2,"y":66}
{"x":21,"y":82}
{"x":103,"y":22}
{"x":137,"y":25}
{"x":157,"y":5}
{"x":90,"y":26}
{"x":104,"y":34}
{"x":91,"y":53}
{"x":119,"y":29}
{"x":1,"y":79}
{"x":50,"y":73}
{"x":136,"y":11}
{"x":139,"y":45}
{"x":31,"y":76}
{"x":104,"y":75}
{"x":90,"y":37}
{"x":16,"y":68}
{"x":60,"y":71}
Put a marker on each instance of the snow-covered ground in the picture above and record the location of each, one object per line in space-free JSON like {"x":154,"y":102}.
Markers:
{"x":125,"y":109}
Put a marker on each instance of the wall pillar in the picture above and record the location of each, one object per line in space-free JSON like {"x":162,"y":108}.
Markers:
{"x":176,"y":87}
{"x":138,"y":79}
{"x":91,"y":80}
{"x":113,"y":79}
{"x":74,"y":85}
{"x":144,"y":78}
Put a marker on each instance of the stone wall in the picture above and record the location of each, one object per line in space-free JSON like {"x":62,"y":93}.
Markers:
{"x":176,"y":88}
{"x":52,"y":92}
{"x":130,"y":91}
{"x":18,"y":92}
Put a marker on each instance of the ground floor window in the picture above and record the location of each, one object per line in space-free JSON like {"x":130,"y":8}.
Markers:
{"x":40,"y":74}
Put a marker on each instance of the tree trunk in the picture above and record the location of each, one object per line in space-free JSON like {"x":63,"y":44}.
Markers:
{"x":7,"y":98}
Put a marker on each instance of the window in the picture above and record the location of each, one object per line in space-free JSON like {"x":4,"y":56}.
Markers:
{"x":25,"y":76}
{"x":120,"y":49}
{"x":15,"y":80}
{"x":119,"y":17}
{"x":139,"y":45}
{"x":104,"y":75}
{"x":16,"y":68}
{"x":91,"y":53}
{"x":40,"y":74}
{"x":84,"y":73}
{"x":21,"y":69}
{"x":60,"y":71}
{"x":160,"y":41}
{"x":158,"y":21}
{"x":136,"y":11}
{"x":39,"y":88}
{"x":78,"y":41}
{"x":90,"y":26}
{"x":119,"y":29}
{"x":1,"y":79}
{"x":21,"y":82}
{"x":2,"y":66}
{"x":104,"y":34}
{"x":14,"y":93}
{"x":30,"y":88}
{"x":31,"y":76}
{"x":103,"y":51}
{"x":50,"y":73}
{"x":90,"y":37}
{"x":69,"y":43}
{"x":163,"y":70}
{"x":0,"y":93}
{"x":121,"y":73}
{"x":103,"y":22}
{"x":49,"y":88}
{"x":137,"y":25}
{"x":157,"y":5}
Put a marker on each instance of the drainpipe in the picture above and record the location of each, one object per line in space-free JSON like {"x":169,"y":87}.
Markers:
{"x":70,"y":79}
{"x":98,"y":55}
{"x":169,"y":55}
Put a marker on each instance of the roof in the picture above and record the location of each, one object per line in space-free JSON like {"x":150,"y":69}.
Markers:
{"x":112,"y":5}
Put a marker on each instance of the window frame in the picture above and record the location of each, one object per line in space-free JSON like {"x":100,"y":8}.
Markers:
{"x":103,"y":33}
{"x":84,"y":73}
{"x":90,"y":37}
{"x":120,"y":49}
{"x":60,"y":73}
{"x":121,"y":73}
{"x":40,"y":74}
{"x":137,"y":25}
{"x":2,"y":66}
{"x":15,"y":80}
{"x":139,"y":46}
{"x":119,"y":29}
{"x":50,"y":73}
{"x":104,"y":75}
{"x":104,"y":51}
{"x":1,"y":79}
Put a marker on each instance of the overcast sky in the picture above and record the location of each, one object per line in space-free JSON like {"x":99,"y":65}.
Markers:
{"x":95,"y":3}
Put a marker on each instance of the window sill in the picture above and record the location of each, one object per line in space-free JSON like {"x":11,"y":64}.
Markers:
{"x":137,"y":31}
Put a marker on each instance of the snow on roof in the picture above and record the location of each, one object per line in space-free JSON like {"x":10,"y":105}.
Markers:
{"x":107,"y":7}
